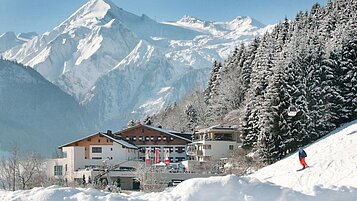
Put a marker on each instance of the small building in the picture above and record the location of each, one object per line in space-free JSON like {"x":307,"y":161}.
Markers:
{"x":213,"y":143}
{"x":88,"y":156}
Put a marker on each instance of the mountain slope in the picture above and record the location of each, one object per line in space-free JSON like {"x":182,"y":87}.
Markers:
{"x":332,"y":162}
{"x":99,"y":38}
{"x":9,"y":40}
{"x":36,"y":111}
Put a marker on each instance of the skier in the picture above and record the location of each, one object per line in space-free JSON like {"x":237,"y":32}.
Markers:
{"x":302,"y":155}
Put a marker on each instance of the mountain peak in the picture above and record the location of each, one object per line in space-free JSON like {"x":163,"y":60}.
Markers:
{"x":189,"y":19}
{"x":239,"y":20}
{"x":89,"y":13}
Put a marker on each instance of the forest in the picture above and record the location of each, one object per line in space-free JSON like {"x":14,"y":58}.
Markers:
{"x":308,"y":64}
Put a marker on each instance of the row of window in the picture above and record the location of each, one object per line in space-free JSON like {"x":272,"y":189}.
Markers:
{"x":208,"y":146}
{"x":150,"y":138}
{"x":107,"y":140}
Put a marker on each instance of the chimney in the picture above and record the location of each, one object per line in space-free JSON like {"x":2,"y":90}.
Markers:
{"x":109,"y":132}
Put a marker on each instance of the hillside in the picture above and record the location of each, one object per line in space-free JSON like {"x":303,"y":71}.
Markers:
{"x":331,"y":177}
{"x":332,"y":162}
{"x":35,"y":114}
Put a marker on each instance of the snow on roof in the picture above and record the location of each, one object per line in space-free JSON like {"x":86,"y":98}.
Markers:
{"x":119,"y":141}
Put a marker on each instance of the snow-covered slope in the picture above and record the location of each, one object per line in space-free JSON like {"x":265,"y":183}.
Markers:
{"x":234,"y":29}
{"x":100,"y":39}
{"x":332,"y":162}
{"x":35,"y":114}
{"x":9,"y":40}
{"x":227,"y":188}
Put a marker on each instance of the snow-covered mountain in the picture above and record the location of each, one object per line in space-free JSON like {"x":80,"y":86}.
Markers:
{"x":35,"y":114}
{"x":101,"y":45}
{"x":9,"y":40}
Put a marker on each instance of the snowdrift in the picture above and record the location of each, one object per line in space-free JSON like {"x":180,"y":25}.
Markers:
{"x":227,"y":188}
{"x":331,"y":177}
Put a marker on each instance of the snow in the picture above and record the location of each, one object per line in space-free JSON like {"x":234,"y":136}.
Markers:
{"x":100,"y":38}
{"x":331,"y":177}
{"x":332,"y":162}
{"x":227,"y":188}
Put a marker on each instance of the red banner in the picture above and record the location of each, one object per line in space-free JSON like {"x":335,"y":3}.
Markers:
{"x":157,"y":155}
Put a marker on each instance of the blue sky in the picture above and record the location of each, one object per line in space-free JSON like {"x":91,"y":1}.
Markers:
{"x":44,"y":15}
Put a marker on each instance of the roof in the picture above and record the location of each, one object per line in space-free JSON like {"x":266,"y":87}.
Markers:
{"x":176,"y":134}
{"x":109,"y":136}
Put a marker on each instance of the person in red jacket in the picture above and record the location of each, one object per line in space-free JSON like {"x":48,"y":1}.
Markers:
{"x":302,"y":156}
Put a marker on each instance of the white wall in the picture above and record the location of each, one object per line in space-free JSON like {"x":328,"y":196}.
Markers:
{"x":219,"y":149}
{"x":76,"y":160}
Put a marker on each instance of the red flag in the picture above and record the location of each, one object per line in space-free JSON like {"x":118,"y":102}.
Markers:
{"x":157,"y":155}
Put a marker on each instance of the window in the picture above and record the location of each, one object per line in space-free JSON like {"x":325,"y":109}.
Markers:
{"x":65,"y":167}
{"x":171,"y":138}
{"x":96,"y":158}
{"x":64,"y":154}
{"x":98,"y":140}
{"x":134,"y":138}
{"x":96,"y":149}
{"x":58,"y":170}
{"x":159,"y":138}
{"x":140,"y":138}
{"x":180,"y":158}
{"x":206,"y":146}
{"x":107,"y":140}
{"x":231,"y":147}
{"x":152,"y":138}
{"x":164,"y":138}
{"x":180,"y":149}
{"x":147,"y":138}
{"x":111,"y":149}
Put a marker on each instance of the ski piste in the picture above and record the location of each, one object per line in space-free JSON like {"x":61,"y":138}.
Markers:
{"x":303,"y":168}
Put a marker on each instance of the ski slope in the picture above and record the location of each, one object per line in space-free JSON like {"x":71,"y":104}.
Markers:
{"x":331,"y":177}
{"x":332,"y":161}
